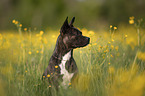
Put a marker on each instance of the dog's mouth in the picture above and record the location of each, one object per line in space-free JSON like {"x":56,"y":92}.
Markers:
{"x":87,"y":42}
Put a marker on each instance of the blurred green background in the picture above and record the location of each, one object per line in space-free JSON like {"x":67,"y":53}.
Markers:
{"x":91,"y":14}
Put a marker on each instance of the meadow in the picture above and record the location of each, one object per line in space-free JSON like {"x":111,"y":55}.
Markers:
{"x":113,"y":64}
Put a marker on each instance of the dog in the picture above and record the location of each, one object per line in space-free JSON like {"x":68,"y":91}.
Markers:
{"x":62,"y":66}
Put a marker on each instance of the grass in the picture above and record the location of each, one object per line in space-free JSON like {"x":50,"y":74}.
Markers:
{"x":113,"y":64}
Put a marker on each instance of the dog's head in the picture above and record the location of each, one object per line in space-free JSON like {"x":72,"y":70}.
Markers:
{"x":71,"y":36}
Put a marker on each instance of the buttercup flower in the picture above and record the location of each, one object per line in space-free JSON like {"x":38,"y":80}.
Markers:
{"x":131,"y":20}
{"x":41,"y":32}
{"x":48,"y":75}
{"x":29,"y":52}
{"x":13,"y":21}
{"x":20,"y":25}
{"x":115,"y":28}
{"x":56,"y":66}
{"x":110,"y":26}
{"x":25,"y":29}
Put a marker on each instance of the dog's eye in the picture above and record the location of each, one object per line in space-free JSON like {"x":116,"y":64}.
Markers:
{"x":75,"y":33}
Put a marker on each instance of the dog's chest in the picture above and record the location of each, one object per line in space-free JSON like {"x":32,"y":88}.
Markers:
{"x":66,"y":75}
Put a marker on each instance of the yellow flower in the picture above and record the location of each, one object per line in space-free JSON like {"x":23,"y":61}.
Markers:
{"x":25,"y":29}
{"x":30,"y":52}
{"x":110,"y":26}
{"x":26,"y":71}
{"x":132,"y":17}
{"x":109,"y":42}
{"x":43,"y":76}
{"x":109,"y":63}
{"x":115,"y":28}
{"x":112,"y":40}
{"x":111,"y":55}
{"x":125,"y":36}
{"x":80,"y":52}
{"x":41,"y":32}
{"x":20,"y":25}
{"x":48,"y":75}
{"x":13,"y":21}
{"x":16,"y":22}
{"x":56,"y":66}
{"x":69,"y":84}
{"x":37,"y":51}
{"x":131,"y":21}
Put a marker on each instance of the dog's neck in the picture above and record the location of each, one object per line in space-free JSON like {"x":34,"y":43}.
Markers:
{"x":60,"y":49}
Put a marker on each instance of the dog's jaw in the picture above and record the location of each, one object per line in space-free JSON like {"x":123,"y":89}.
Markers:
{"x":66,"y":75}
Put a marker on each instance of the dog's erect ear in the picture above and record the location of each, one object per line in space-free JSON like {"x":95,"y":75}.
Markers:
{"x":72,"y":21}
{"x":64,"y":27}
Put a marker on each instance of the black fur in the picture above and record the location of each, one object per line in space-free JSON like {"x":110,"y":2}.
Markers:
{"x":69,"y":38}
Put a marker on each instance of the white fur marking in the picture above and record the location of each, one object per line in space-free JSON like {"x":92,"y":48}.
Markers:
{"x":66,"y":76}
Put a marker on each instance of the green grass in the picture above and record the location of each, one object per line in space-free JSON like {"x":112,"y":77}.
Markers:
{"x":106,"y":67}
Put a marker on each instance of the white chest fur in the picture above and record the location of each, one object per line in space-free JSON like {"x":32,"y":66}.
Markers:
{"x":66,"y":76}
